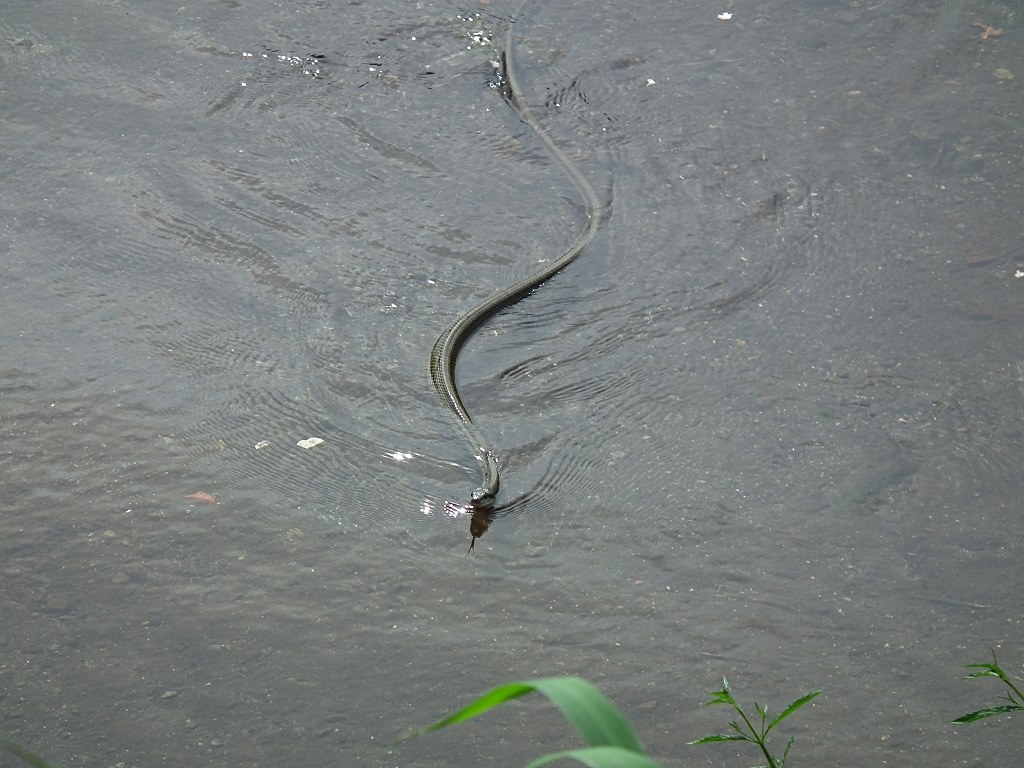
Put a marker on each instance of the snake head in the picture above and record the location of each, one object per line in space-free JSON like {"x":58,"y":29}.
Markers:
{"x":481,"y":498}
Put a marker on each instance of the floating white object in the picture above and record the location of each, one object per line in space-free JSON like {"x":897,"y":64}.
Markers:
{"x":310,"y":442}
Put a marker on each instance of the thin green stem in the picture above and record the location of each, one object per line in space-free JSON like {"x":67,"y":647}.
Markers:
{"x":768,"y":755}
{"x":1015,"y":689}
{"x":759,"y":740}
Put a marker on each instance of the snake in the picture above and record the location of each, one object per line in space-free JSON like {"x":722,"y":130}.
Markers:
{"x":444,"y":356}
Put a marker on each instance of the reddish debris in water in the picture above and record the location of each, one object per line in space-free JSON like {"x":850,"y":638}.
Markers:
{"x":986,"y":30}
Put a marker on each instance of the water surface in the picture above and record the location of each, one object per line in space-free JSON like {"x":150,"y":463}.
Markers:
{"x":768,"y":426}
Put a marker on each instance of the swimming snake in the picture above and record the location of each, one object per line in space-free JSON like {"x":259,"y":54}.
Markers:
{"x":446,"y":350}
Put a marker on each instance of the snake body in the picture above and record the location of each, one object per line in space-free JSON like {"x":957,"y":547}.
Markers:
{"x":446,"y":350}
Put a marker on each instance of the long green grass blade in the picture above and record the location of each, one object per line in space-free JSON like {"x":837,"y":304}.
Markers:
{"x":792,"y":708}
{"x":596,"y":719}
{"x":24,"y":754}
{"x":599,"y":757}
{"x":493,"y":698}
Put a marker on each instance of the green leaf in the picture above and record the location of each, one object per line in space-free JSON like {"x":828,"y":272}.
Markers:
{"x":723,"y":696}
{"x":789,"y":746}
{"x":595,"y":718}
{"x":599,"y":757}
{"x":24,"y":754}
{"x":720,"y":737}
{"x":976,"y":675}
{"x":493,"y":698}
{"x":792,"y":708}
{"x":986,"y":670}
{"x":981,"y":714}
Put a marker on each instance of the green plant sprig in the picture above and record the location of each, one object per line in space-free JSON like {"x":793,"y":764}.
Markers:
{"x":1014,"y":697}
{"x":748,"y":731}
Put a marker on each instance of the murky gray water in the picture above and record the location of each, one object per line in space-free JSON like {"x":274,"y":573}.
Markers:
{"x":767,"y":426}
